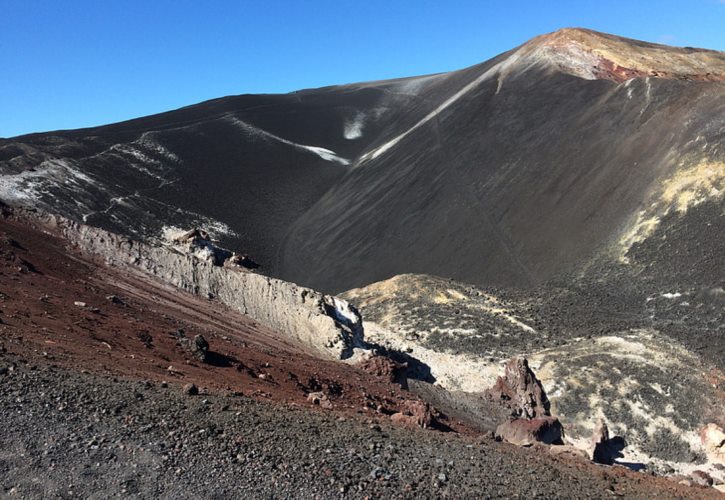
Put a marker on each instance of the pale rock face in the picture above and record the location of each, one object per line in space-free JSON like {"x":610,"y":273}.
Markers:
{"x":325,"y":324}
{"x":713,"y":440}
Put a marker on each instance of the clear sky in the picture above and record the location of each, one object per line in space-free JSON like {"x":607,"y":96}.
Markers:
{"x":77,"y":63}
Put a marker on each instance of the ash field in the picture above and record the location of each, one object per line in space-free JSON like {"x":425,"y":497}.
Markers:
{"x":487,"y":282}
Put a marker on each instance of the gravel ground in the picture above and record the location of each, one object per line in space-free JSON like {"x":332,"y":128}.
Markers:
{"x":66,"y":435}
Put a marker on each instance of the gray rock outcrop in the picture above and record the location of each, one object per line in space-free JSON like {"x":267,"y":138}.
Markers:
{"x":325,"y":323}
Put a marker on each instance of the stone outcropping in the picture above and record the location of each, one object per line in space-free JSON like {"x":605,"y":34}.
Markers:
{"x":197,"y":347}
{"x":325,"y":323}
{"x":520,"y":391}
{"x":603,"y":449}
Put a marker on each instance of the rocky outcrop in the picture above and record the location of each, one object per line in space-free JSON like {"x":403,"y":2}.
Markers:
{"x":198,"y":242}
{"x":415,"y":414}
{"x":599,"y":444}
{"x":522,"y":395}
{"x":327,"y":324}
{"x":320,"y":399}
{"x":198,"y":346}
{"x":603,"y":449}
{"x":520,"y":391}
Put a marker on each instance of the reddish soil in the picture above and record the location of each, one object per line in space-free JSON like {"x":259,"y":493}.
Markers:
{"x":134,"y":336}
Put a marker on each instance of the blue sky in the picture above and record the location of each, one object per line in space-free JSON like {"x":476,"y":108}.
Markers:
{"x":73,"y":63}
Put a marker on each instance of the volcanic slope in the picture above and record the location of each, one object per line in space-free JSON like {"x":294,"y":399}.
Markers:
{"x":118,"y":428}
{"x":568,"y":149}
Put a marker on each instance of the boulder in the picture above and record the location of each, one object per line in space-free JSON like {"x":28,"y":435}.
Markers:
{"x":384,"y":367}
{"x":415,"y":414}
{"x":320,"y":399}
{"x":520,"y":391}
{"x":526,"y":432}
{"x":200,"y":348}
{"x":191,"y":389}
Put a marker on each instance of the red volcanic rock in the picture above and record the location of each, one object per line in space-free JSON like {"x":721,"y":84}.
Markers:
{"x":383,"y":367}
{"x":415,"y":413}
{"x":520,"y":391}
{"x":607,"y":69}
{"x":526,"y":432}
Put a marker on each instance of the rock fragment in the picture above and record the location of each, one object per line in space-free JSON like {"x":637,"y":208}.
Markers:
{"x":200,"y":348}
{"x":190,"y":389}
{"x":320,"y":399}
{"x":384,"y":367}
{"x":526,"y":432}
{"x":146,"y":338}
{"x":415,"y":414}
{"x":114,"y":299}
{"x":241,"y":260}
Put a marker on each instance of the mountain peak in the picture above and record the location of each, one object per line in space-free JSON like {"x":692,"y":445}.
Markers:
{"x":593,"y":55}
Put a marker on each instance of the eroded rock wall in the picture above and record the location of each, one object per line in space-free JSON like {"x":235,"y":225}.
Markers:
{"x":305,"y":315}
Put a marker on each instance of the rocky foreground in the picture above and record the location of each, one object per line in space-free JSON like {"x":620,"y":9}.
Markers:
{"x":116,"y":381}
{"x":70,"y":435}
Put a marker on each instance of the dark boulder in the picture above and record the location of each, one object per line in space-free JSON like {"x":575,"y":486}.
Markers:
{"x":200,"y":348}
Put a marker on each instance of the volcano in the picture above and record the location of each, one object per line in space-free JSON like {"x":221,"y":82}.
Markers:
{"x":384,"y":249}
{"x":529,"y":166}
